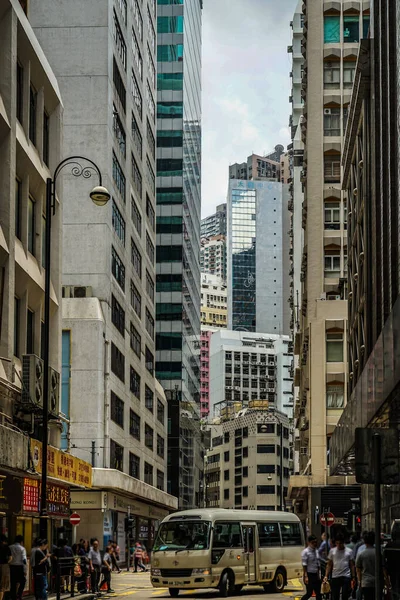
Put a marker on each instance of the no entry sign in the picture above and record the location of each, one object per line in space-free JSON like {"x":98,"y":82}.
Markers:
{"x":327,"y":519}
{"x":75,"y":519}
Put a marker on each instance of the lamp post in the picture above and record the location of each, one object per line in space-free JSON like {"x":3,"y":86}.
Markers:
{"x":100,"y":197}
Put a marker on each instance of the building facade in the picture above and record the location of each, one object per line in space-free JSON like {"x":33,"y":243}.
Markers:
{"x":259,"y":167}
{"x":214,"y":224}
{"x":213,"y":256}
{"x":214,"y":312}
{"x":258,"y":256}
{"x":178,"y":238}
{"x":248,"y":464}
{"x":331,"y":36}
{"x":250,"y":366}
{"x":109,"y":253}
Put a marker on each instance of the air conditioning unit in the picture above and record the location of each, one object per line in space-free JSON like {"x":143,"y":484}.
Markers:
{"x":76,"y":291}
{"x":54,"y":391}
{"x":327,"y":111}
{"x":32,"y":379}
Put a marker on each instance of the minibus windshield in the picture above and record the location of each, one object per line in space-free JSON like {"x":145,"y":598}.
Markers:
{"x":183,"y":535}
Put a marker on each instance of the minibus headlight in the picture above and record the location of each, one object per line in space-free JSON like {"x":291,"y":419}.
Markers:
{"x":156,"y":572}
{"x":201,"y":572}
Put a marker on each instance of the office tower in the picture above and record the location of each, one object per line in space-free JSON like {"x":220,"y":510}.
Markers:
{"x":371,"y":178}
{"x":104,"y":55}
{"x":214,"y":224}
{"x":213,"y":256}
{"x":250,"y":366}
{"x":258,"y":256}
{"x":259,"y":167}
{"x":329,"y":45}
{"x":178,"y":238}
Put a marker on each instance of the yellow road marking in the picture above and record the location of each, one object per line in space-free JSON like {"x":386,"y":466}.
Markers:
{"x":159,"y":592}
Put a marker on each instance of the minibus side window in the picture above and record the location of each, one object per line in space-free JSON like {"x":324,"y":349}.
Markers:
{"x":268,"y":534}
{"x":227,"y":535}
{"x":291,"y":534}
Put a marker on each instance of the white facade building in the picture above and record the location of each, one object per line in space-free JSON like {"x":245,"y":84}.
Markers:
{"x":213,"y":256}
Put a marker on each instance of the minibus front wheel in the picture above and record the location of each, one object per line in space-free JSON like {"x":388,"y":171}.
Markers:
{"x":227,"y":584}
{"x":174,"y":592}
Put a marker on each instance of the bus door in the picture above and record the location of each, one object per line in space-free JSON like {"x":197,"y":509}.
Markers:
{"x":249,"y":540}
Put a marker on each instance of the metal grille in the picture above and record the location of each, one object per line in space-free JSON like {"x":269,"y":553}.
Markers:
{"x":176,"y":572}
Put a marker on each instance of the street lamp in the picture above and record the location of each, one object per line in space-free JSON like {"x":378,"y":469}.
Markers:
{"x":100,"y":197}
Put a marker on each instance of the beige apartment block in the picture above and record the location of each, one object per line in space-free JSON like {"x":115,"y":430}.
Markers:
{"x":331,"y":34}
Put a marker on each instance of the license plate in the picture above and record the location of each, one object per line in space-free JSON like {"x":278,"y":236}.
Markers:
{"x":178,"y":583}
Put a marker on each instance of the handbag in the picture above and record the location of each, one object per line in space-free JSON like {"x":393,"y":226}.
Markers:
{"x":77,"y":570}
{"x":325,"y":587}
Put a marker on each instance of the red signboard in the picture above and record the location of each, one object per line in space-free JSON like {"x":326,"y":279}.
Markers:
{"x":327,"y":519}
{"x":31,"y":495}
{"x":58,"y":498}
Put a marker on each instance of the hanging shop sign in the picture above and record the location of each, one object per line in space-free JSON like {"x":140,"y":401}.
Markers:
{"x":10,"y":493}
{"x":62,"y":465}
{"x":58,"y":498}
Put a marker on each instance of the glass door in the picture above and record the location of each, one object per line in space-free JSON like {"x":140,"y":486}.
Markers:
{"x":249,"y":533}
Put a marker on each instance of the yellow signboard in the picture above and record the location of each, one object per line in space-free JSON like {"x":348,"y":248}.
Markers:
{"x":62,"y":466}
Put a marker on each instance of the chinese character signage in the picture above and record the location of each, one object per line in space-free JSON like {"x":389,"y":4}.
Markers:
{"x":58,"y":498}
{"x":63,"y":466}
{"x":31,"y":495}
{"x":10,"y":493}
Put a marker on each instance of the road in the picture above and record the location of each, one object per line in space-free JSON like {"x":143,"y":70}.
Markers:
{"x":138,"y":587}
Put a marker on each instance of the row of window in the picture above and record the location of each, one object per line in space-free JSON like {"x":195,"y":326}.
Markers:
{"x":117,"y":462}
{"x":36,"y":244}
{"x":229,"y":534}
{"x":29,"y":337}
{"x":118,"y":267}
{"x":345,"y":29}
{"x":118,"y":368}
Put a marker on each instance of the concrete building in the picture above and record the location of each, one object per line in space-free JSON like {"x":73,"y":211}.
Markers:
{"x":259,"y":167}
{"x":248,"y":464}
{"x":206,"y":334}
{"x":330,"y":41}
{"x":214,"y":312}
{"x":371,"y":168}
{"x":213,"y":256}
{"x":214,"y":224}
{"x":250,"y":366}
{"x":104,"y":57}
{"x":178,"y":238}
{"x":258,"y":256}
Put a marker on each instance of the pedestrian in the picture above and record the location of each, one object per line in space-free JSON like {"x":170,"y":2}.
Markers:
{"x":5,"y":558}
{"x":311,"y":569}
{"x":341,"y":565}
{"x":41,"y":566}
{"x":95,"y":563}
{"x":107,"y":568}
{"x":365,"y":565}
{"x":360,"y":546}
{"x":114,"y":556}
{"x":391,"y":563}
{"x":35,"y":546}
{"x":353,"y":542}
{"x":138,"y":557}
{"x":18,"y":567}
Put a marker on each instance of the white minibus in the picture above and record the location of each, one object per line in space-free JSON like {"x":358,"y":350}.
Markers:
{"x":227,"y":549}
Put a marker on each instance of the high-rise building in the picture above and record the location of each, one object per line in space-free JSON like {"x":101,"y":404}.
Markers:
{"x":250,"y":366}
{"x":104,"y":55}
{"x":213,"y":301}
{"x":214,"y":224}
{"x":329,"y":45}
{"x":259,"y":167}
{"x":258,"y":256}
{"x":178,"y":238}
{"x":213,"y":256}
{"x":371,"y":177}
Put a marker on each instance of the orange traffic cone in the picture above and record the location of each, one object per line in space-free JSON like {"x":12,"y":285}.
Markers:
{"x":313,"y":594}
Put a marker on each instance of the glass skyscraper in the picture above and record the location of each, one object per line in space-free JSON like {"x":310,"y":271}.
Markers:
{"x":178,"y":239}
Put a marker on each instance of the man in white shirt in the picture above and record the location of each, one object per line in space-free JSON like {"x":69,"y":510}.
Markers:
{"x":18,"y":568}
{"x":341,"y":565}
{"x":311,"y":569}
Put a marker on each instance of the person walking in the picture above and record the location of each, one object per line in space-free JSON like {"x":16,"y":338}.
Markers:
{"x":107,"y":568}
{"x":41,"y":566}
{"x":311,"y":569}
{"x":18,"y":567}
{"x":5,"y":558}
{"x":341,"y":565}
{"x":138,"y":557}
{"x":365,"y":566}
{"x":95,"y":563}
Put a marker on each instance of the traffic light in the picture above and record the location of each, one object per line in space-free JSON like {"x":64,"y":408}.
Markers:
{"x":129,"y":524}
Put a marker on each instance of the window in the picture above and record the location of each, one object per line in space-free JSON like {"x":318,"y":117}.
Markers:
{"x":150,"y":140}
{"x":17,"y":324}
{"x":46,"y":138}
{"x":169,"y":53}
{"x":169,"y":167}
{"x":149,"y":361}
{"x":20,"y":91}
{"x":265,"y":489}
{"x":123,"y":8}
{"x":265,"y":468}
{"x":137,"y":16}
{"x":226,"y":475}
{"x":149,"y":323}
{"x":227,"y":535}
{"x":169,"y":110}
{"x":136,"y":300}
{"x":160,"y":480}
{"x":119,"y":132}
{"x":331,"y":121}
{"x":137,"y":57}
{"x":226,"y":494}
{"x":332,"y":265}
{"x":117,"y":362}
{"x":137,"y":136}
{"x":151,"y":107}
{"x":170,"y":138}
{"x":136,"y":176}
{"x":332,"y":168}
{"x":18,"y":207}
{"x":148,"y":473}
{"x":136,"y":217}
{"x":119,"y":177}
{"x":134,"y":424}
{"x":150,"y":248}
{"x":345,"y":118}
{"x":148,"y":398}
{"x":351,"y":28}
{"x":137,"y":96}
{"x":245,"y":432}
{"x":268,"y":534}
{"x":332,"y":215}
{"x":31,"y":225}
{"x":335,"y":395}
{"x":151,"y":180}
{"x":117,"y":410}
{"x":134,"y":466}
{"x":119,"y":41}
{"x":118,"y":222}
{"x":332,"y":29}
{"x":160,"y":446}
{"x":151,"y":67}
{"x":265,"y":448}
{"x":32,"y":114}
{"x":151,"y":34}
{"x":134,"y":382}
{"x":291,"y":534}
{"x":331,"y":74}
{"x":366,"y":20}
{"x":136,"y":259}
{"x":136,"y":341}
{"x":246,"y":452}
{"x":160,"y":411}
{"x":148,"y":436}
{"x":349,"y":69}
{"x":168,"y":311}
{"x":30,"y":332}
{"x":117,"y":315}
{"x":170,"y":24}
{"x":169,"y":2}
{"x":334,"y":347}
{"x":117,"y":268}
{"x":119,"y":85}
{"x":245,"y":471}
{"x":116,"y":456}
{"x":149,"y":286}
{"x":226,"y":456}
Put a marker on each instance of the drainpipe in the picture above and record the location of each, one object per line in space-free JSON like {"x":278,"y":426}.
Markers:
{"x":106,"y":443}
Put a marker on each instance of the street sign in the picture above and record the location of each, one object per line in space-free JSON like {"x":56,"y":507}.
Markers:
{"x":75,"y":519}
{"x":327,"y":519}
{"x":389,"y":468}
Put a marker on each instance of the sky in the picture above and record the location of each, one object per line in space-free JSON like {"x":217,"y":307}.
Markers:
{"x":246,"y":86}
